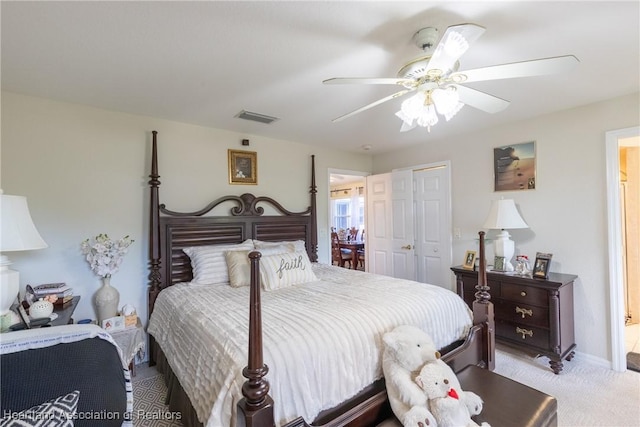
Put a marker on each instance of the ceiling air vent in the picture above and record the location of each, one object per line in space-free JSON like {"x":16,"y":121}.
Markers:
{"x":248,"y":115}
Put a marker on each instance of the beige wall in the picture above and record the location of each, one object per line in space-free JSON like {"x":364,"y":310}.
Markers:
{"x":84,"y":171}
{"x":567,"y":210}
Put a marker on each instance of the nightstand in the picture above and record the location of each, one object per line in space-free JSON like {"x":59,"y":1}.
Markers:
{"x":531,"y":314}
{"x":65,"y":312}
{"x":131,"y":341}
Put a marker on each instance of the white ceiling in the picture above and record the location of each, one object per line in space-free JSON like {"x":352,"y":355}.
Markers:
{"x":203,"y":62}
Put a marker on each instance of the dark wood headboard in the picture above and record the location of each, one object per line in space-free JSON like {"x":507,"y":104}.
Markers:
{"x":171,"y":231}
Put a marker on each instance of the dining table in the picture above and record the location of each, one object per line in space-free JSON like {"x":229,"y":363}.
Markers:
{"x":354,"y":246}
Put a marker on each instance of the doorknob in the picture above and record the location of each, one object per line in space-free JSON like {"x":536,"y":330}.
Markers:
{"x":407,"y":247}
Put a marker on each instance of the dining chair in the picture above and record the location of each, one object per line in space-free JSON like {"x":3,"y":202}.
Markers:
{"x":339,"y":255}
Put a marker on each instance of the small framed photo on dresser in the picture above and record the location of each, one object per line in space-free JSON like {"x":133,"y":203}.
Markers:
{"x":541,"y":266}
{"x":498,"y":263}
{"x":469,"y":260}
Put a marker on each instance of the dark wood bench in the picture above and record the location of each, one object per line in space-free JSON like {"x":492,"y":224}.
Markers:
{"x":507,"y":403}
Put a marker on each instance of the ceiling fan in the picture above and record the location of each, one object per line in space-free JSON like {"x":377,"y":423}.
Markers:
{"x":439,"y":85}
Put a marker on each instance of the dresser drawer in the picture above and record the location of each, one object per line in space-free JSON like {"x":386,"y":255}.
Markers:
{"x":525,"y":294}
{"x":522,"y":313}
{"x":514,"y":332}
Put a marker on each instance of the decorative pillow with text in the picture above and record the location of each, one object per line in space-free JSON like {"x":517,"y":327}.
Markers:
{"x":281,"y":270}
{"x":239,"y":265}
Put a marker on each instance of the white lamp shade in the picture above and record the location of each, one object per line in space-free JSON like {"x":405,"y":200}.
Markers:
{"x":504,"y":215}
{"x":18,"y":231}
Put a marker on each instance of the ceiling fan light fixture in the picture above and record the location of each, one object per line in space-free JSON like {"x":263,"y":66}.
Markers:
{"x":429,"y":118}
{"x":412,"y":107}
{"x":455,"y":45}
{"x":447,"y":102}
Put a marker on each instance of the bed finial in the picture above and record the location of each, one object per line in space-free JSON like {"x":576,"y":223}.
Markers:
{"x":155,"y":278}
{"x":483,"y":309}
{"x":314,"y":223}
{"x":255,"y":409}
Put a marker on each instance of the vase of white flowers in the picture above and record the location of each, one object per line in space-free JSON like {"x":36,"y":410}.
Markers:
{"x":104,"y":257}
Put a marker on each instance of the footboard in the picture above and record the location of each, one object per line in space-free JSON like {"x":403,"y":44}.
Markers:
{"x":370,"y":406}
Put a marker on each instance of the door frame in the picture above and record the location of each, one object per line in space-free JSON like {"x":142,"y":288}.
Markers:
{"x":614,"y":225}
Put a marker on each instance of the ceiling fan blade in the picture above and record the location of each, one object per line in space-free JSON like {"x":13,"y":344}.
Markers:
{"x":535,"y":67}
{"x":373,"y":104}
{"x":453,"y":44}
{"x":367,"y":81}
{"x":480,"y":100}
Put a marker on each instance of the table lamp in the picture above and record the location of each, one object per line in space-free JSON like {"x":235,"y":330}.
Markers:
{"x":17,"y":233}
{"x":503,"y":215}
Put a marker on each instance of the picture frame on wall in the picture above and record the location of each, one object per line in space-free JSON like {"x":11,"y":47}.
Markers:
{"x":243,"y":167}
{"x":541,"y":265}
{"x":514,"y":167}
{"x":469,"y":260}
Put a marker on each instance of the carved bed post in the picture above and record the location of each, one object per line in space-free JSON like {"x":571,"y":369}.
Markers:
{"x":483,"y":309}
{"x":256,"y":408}
{"x":314,"y":220}
{"x":154,"y":235}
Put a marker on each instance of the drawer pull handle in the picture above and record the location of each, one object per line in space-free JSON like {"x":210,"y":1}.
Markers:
{"x":524,"y":311}
{"x":524,"y":332}
{"x":523,"y":294}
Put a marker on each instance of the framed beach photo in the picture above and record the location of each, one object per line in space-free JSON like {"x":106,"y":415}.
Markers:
{"x":243,"y":167}
{"x":514,"y":167}
{"x":469,"y":260}
{"x":541,"y":266}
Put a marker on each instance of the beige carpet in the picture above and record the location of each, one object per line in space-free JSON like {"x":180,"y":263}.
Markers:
{"x":588,"y":395}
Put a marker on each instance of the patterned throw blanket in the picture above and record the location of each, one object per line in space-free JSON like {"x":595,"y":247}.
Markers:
{"x":42,"y":368}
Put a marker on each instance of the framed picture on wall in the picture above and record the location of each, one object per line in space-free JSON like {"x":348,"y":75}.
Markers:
{"x":514,"y":167}
{"x":243,"y":167}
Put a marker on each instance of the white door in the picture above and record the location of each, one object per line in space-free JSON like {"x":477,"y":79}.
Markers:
{"x":433,"y":246}
{"x":389,"y":231}
{"x":409,"y":230}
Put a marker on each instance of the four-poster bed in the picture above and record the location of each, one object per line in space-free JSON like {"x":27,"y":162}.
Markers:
{"x":188,"y":326}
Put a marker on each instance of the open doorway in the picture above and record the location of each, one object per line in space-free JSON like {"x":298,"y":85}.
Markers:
{"x":623,"y":200}
{"x":347,"y":202}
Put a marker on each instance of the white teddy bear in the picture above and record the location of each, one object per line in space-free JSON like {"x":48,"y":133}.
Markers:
{"x":407,"y":349}
{"x":445,"y":399}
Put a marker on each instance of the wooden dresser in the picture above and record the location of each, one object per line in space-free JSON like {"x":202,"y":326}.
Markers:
{"x":534,"y":315}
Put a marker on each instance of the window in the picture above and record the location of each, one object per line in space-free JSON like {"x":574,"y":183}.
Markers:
{"x":347,"y":207}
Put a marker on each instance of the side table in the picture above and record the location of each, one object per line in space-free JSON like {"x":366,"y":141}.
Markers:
{"x":65,"y":312}
{"x":131,"y":341}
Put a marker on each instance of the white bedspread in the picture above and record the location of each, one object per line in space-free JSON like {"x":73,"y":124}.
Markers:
{"x":322,"y":340}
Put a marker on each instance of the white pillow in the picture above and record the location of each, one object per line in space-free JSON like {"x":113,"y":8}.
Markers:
{"x":292,"y":245}
{"x":208,"y":262}
{"x":239,"y":265}
{"x":282,"y":270}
